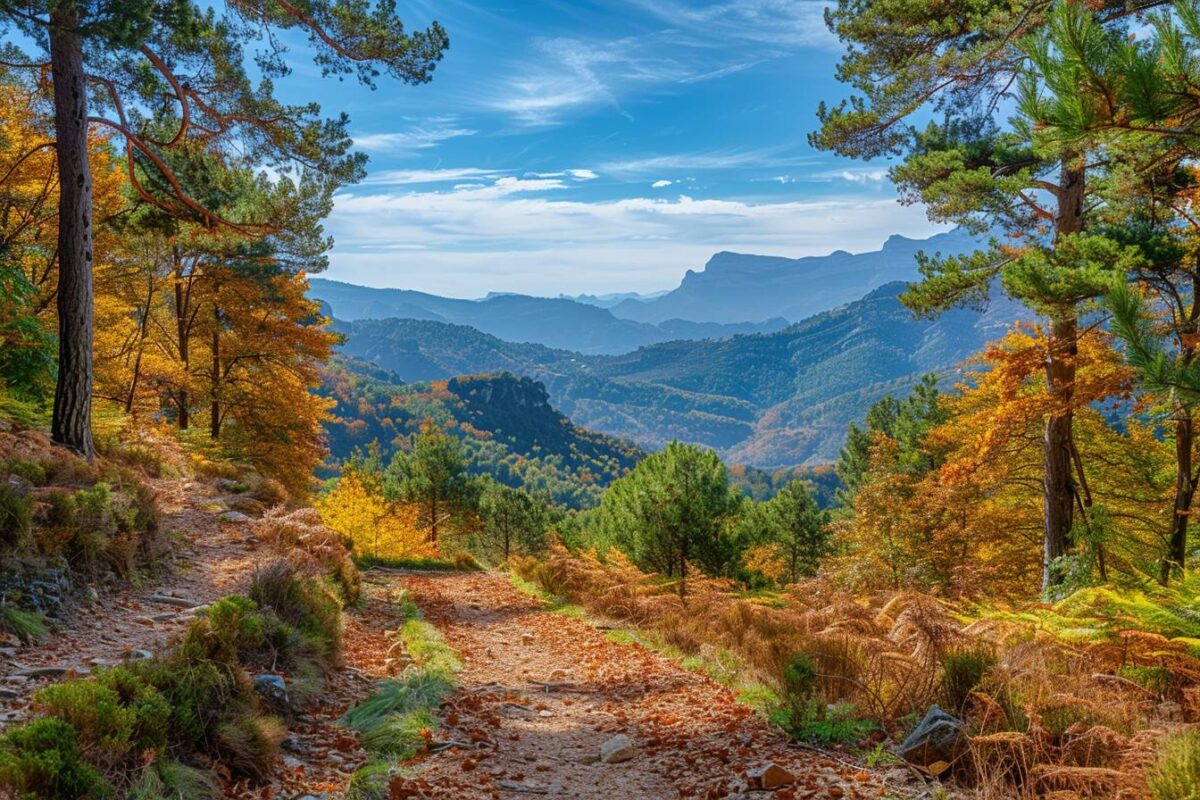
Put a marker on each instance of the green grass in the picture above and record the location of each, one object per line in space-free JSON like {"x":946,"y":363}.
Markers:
{"x":397,"y":719}
{"x":28,"y":626}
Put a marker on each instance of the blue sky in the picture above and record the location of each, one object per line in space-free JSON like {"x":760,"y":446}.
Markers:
{"x":577,"y":146}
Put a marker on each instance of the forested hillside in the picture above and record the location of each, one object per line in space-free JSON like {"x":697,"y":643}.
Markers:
{"x":769,"y":399}
{"x":506,"y":424}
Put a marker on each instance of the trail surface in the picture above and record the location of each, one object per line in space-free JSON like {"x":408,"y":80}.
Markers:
{"x":540,"y":693}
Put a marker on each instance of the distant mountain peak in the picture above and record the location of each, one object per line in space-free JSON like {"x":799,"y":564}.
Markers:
{"x":739,"y":286}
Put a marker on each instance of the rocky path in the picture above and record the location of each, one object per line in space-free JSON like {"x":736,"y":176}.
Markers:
{"x":542,"y":693}
{"x":211,"y":558}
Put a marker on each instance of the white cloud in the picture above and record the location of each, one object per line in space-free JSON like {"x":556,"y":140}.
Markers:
{"x":420,"y":137}
{"x":661,"y":184}
{"x":736,"y":158}
{"x":514,"y":235}
{"x":402,"y":177}
{"x":565,"y":75}
{"x":583,"y":174}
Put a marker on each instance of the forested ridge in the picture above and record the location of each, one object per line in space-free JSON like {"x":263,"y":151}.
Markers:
{"x":235,"y":564}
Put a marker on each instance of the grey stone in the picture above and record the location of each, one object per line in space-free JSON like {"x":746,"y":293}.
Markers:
{"x":235,"y":516}
{"x":42,"y":672}
{"x":939,"y":736}
{"x":273,"y":687}
{"x":617,"y":749}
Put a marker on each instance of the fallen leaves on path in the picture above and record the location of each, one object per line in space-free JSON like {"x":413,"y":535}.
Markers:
{"x":541,"y":692}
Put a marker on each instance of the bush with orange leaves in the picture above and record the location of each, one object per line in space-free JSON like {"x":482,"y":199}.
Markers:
{"x":310,"y":547}
{"x":1069,"y":699}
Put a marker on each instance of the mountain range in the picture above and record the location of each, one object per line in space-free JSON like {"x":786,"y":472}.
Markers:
{"x":767,"y":399}
{"x":554,"y":321}
{"x":734,"y":294}
{"x":735,"y":287}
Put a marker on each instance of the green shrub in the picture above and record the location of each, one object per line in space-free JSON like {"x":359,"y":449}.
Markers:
{"x":16,"y":514}
{"x":1175,"y":773}
{"x":370,"y":781}
{"x":170,"y":780}
{"x":31,"y":471}
{"x":802,"y":714}
{"x":117,"y":718}
{"x":310,"y":605}
{"x":798,"y":683}
{"x":248,"y":744}
{"x":962,"y":673}
{"x":42,"y":760}
{"x":200,"y":695}
{"x":1154,"y":679}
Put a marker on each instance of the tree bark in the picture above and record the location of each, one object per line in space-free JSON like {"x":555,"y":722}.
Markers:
{"x":1185,"y":491}
{"x":183,"y":336}
{"x":433,"y":518}
{"x":71,"y":424}
{"x":214,"y":424}
{"x":1058,"y":485}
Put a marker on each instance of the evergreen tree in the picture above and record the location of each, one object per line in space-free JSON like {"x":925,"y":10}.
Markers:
{"x":161,"y":75}
{"x":963,"y":59}
{"x":513,"y":519}
{"x":795,"y":527}
{"x":673,"y":509}
{"x":432,"y":473}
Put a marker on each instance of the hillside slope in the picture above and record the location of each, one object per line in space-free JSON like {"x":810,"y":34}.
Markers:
{"x":507,"y":425}
{"x":765,"y":399}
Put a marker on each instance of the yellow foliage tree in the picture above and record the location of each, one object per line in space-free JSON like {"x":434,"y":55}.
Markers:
{"x":372,"y":524}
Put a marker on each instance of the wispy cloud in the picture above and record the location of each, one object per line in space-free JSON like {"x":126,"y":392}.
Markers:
{"x":661,"y":184}
{"x":737,"y":158}
{"x":403,"y":177}
{"x":564,"y":75}
{"x":784,"y":23}
{"x":430,"y":133}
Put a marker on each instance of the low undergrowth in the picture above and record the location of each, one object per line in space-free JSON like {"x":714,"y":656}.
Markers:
{"x":398,"y":720}
{"x":1070,"y":697}
{"x":153,"y":729}
{"x":461,"y":561}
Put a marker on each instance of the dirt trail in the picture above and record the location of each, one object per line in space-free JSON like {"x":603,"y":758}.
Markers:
{"x":211,"y":559}
{"x":692,"y":738}
{"x":539,"y":692}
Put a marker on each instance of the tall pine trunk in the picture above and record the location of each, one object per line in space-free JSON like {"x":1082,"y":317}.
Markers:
{"x":214,"y":424}
{"x":1185,"y":491}
{"x":72,"y":421}
{"x":183,"y":335}
{"x":1058,"y":484}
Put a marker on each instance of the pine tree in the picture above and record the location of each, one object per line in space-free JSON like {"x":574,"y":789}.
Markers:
{"x":965,"y":61}
{"x":432,"y":473}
